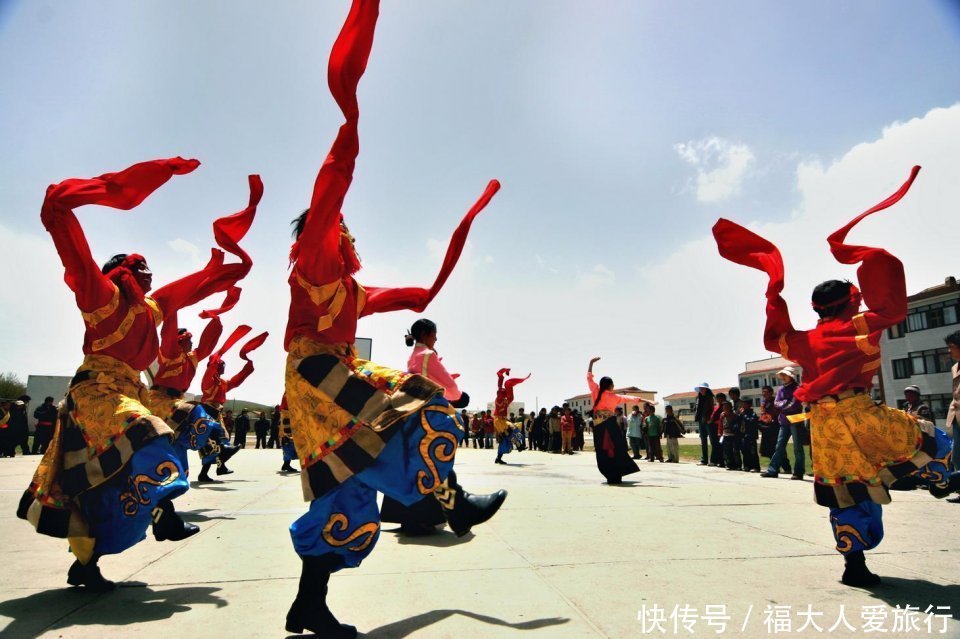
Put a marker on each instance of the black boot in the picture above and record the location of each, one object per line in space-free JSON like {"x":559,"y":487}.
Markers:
{"x":204,"y":477}
{"x":89,"y":577}
{"x":463,"y":510}
{"x":309,"y":610}
{"x":167,"y":525}
{"x":947,"y":488}
{"x":856,"y":573}
{"x":227,"y":450}
{"x":222,"y":468}
{"x":287,"y":468}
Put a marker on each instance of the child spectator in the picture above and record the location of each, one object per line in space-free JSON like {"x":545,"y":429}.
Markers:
{"x":651,"y":426}
{"x":730,"y":423}
{"x":566,"y":431}
{"x":750,"y":432}
{"x":673,"y":430}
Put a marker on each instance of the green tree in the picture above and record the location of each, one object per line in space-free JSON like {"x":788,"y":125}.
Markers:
{"x":11,"y":386}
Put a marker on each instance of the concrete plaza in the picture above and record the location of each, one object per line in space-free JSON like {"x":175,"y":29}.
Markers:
{"x":678,"y":547}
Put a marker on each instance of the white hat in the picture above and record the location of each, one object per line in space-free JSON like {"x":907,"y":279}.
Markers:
{"x":703,"y":385}
{"x":912,"y":387}
{"x":789,"y":371}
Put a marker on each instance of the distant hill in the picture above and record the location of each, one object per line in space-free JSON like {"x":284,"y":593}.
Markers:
{"x":237,"y":404}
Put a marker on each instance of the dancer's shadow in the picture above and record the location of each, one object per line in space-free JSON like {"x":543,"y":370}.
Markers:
{"x":193,"y":516}
{"x":921,"y":594}
{"x":624,"y":484}
{"x":439,"y":539}
{"x":66,"y":607}
{"x":406,"y":627}
{"x":215,"y":487}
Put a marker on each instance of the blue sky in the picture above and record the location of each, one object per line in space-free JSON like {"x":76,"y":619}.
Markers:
{"x":598,"y":118}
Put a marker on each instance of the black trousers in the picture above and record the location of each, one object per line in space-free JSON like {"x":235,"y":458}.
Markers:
{"x":41,"y":439}
{"x":716,"y":451}
{"x":731,"y":451}
{"x":751,"y":460}
{"x":261,"y":439}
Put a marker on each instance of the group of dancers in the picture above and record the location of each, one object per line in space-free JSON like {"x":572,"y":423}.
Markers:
{"x":118,"y":457}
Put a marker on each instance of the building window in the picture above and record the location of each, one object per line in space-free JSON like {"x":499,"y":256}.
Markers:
{"x":897,"y":331}
{"x":901,"y":368}
{"x":916,"y":321}
{"x":756,"y":383}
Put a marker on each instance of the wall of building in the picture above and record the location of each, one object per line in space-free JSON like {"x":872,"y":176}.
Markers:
{"x":914,"y":352}
{"x":40,"y":386}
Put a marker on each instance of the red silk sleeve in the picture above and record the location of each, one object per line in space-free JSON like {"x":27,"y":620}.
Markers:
{"x":215,"y":276}
{"x":247,"y":369}
{"x":209,"y":338}
{"x":503,"y":372}
{"x":383,"y":300}
{"x":880,"y":274}
{"x":745,"y":247}
{"x":510,"y":383}
{"x":316,"y":252}
{"x":124,"y":190}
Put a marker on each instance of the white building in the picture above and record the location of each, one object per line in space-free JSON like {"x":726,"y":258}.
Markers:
{"x":760,"y":373}
{"x":914,"y":351}
{"x":41,"y":386}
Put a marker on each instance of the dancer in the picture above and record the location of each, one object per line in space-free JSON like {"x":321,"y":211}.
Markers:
{"x":358,"y":427}
{"x":860,"y":448}
{"x":609,"y":441}
{"x":501,"y":407}
{"x":111,"y":469}
{"x":217,"y":448}
{"x":422,"y":517}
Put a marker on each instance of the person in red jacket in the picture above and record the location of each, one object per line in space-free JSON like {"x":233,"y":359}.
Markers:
{"x":859,"y":448}
{"x":359,"y":428}
{"x":108,"y":440}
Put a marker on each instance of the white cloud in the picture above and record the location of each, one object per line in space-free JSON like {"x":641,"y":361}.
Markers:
{"x":184,"y":247}
{"x":721,"y":165}
{"x":597,"y":277}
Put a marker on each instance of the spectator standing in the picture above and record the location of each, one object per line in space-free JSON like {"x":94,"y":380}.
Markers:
{"x":6,"y":442}
{"x":579,"y":425}
{"x":673,"y":430}
{"x":716,"y":430}
{"x":19,"y":429}
{"x":46,"y":416}
{"x":274,"y":441}
{"x":702,"y":415}
{"x":261,"y":428}
{"x":554,"y":423}
{"x":953,"y":413}
{"x":241,"y":428}
{"x":749,"y":432}
{"x":770,"y":426}
{"x":476,"y":429}
{"x":522,"y":427}
{"x":567,"y":429}
{"x":730,"y":426}
{"x":788,"y":405}
{"x":635,"y":432}
{"x":653,"y":428}
{"x":915,"y":406}
{"x":488,"y":430}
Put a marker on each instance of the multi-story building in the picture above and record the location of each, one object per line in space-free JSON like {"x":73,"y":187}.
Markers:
{"x":914,"y":352}
{"x":584,"y":403}
{"x":685,"y":406}
{"x":760,"y":373}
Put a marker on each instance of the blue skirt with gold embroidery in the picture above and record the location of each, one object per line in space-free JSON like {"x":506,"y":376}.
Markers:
{"x":417,"y":459}
{"x":119,"y":511}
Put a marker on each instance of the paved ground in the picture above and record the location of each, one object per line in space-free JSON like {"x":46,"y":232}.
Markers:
{"x":566,"y":557}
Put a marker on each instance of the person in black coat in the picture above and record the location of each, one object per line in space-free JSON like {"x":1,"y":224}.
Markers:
{"x":46,"y":416}
{"x":241,"y":427}
{"x":18,"y":427}
{"x":262,"y":428}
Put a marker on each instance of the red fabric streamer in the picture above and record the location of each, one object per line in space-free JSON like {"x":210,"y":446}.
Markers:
{"x":841,"y":352}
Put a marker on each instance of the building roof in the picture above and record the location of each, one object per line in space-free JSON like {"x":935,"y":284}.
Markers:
{"x":772,"y":368}
{"x":626,"y":390}
{"x":950,"y":285}
{"x":723,"y":389}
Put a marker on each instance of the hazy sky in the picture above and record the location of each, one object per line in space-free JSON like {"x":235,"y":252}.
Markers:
{"x":619,"y":130}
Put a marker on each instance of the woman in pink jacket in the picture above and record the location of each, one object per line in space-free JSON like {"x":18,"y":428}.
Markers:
{"x":422,"y":517}
{"x":609,"y":440}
